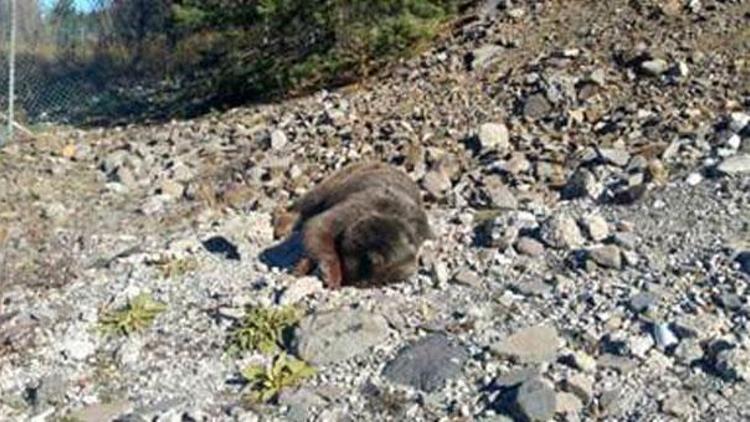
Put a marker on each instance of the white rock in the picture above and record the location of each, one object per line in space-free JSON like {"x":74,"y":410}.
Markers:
{"x":694,"y":179}
{"x":494,"y":136}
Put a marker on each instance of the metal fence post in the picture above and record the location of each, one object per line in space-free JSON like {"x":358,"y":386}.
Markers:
{"x":12,"y":70}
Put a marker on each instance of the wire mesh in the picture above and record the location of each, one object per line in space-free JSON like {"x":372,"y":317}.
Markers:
{"x":41,"y":41}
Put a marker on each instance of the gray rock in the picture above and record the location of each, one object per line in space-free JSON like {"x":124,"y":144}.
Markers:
{"x":171,"y":188}
{"x":655,"y":67}
{"x":735,"y":165}
{"x":500,"y":196}
{"x":436,"y":183}
{"x":640,"y":302}
{"x":676,"y":404}
{"x":582,"y":386}
{"x":77,"y":344}
{"x":688,"y":351}
{"x":50,"y":390}
{"x":516,"y":377}
{"x":300,"y":402}
{"x":536,"y":106}
{"x":467,"y":277}
{"x":427,"y":363}
{"x":561,"y":232}
{"x":494,"y":137}
{"x":154,"y":205}
{"x":300,"y":289}
{"x":335,"y":336}
{"x":582,"y":184}
{"x":733,"y":364}
{"x":584,"y":362}
{"x":102,"y":411}
{"x":730,"y":301}
{"x":620,"y":364}
{"x":485,"y":55}
{"x":124,"y":176}
{"x":534,"y":344}
{"x":609,"y":402}
{"x":596,"y":227}
{"x":738,"y":121}
{"x":440,"y":272}
{"x":568,"y":404}
{"x":529,"y":246}
{"x":535,"y":401}
{"x":663,"y":336}
{"x":607,"y":256}
{"x":278,"y":140}
{"x":617,"y":157}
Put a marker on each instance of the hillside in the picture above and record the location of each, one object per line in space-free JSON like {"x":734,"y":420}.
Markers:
{"x":586,"y":165}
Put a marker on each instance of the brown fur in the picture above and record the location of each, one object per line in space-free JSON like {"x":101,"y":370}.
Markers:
{"x":363,"y":225}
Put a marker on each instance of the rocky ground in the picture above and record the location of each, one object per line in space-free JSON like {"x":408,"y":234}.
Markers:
{"x":586,"y":165}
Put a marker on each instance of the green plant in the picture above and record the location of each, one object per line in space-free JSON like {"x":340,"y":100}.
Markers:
{"x":139,"y":313}
{"x":266,"y":382}
{"x":261,"y":329}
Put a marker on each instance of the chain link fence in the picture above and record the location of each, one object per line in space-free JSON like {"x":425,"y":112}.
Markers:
{"x":41,"y":44}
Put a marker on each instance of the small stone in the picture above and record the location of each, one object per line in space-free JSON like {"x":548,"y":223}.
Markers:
{"x":300,"y":402}
{"x":581,"y":184}
{"x":102,"y":411}
{"x":535,"y":401}
{"x":536,"y":106}
{"x":427,"y":363}
{"x":663,"y":336}
{"x":582,"y":386}
{"x":733,"y":364}
{"x":77,"y":344}
{"x":738,"y":121}
{"x":467,"y":277}
{"x":436,"y":183}
{"x":607,"y":256}
{"x":300,"y":289}
{"x":278,"y":140}
{"x":567,"y":403}
{"x":153,"y":205}
{"x":654,"y":67}
{"x":676,"y":404}
{"x":730,"y":301}
{"x":500,"y":196}
{"x":640,"y":302}
{"x":515,"y":377}
{"x":735,"y":165}
{"x":640,"y":345}
{"x":561,"y":232}
{"x":335,"y":336}
{"x":440,"y":272}
{"x":494,"y":137}
{"x":534,"y":344}
{"x":625,"y":240}
{"x":172,"y":189}
{"x":124,"y":176}
{"x":485,"y":56}
{"x":55,"y":211}
{"x":617,"y":157}
{"x":584,"y":362}
{"x":688,"y":352}
{"x":596,"y":227}
{"x":529,"y":246}
{"x":694,"y":179}
{"x":609,"y":402}
{"x":620,"y":364}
